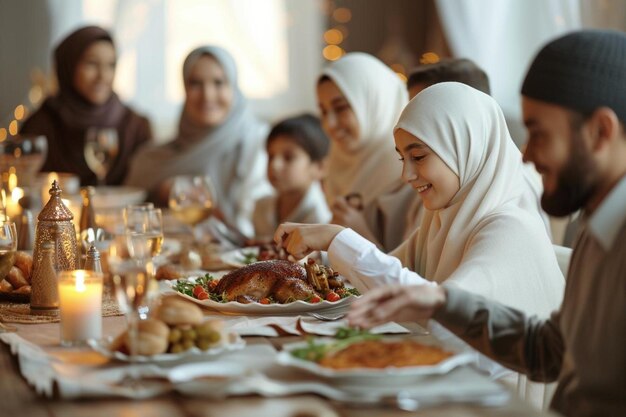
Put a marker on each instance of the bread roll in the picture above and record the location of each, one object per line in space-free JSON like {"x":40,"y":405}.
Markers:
{"x":152,"y":338}
{"x":25,"y":289}
{"x":168,"y":272}
{"x":175,"y":311}
{"x":5,"y":286}
{"x":25,"y":264}
{"x":16,"y":277}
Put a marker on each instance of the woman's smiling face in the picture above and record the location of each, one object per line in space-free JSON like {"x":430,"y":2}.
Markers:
{"x":338,"y":119}
{"x":209,"y":94}
{"x":435,"y":182}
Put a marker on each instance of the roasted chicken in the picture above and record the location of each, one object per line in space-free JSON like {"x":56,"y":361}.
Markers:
{"x":283,"y":280}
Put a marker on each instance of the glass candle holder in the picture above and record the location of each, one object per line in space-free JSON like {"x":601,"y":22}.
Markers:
{"x":80,"y":306}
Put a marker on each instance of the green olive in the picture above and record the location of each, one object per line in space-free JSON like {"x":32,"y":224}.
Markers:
{"x":204,"y":329}
{"x":175,"y":335}
{"x":189,"y":334}
{"x":203,"y":344}
{"x":213,"y":337}
{"x":188,"y":344}
{"x":176,"y":348}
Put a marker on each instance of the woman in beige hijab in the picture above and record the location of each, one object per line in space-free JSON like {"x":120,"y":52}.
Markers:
{"x":360,"y":100}
{"x":218,"y":136}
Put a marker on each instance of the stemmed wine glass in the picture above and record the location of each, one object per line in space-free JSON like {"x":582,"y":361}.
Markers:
{"x":145,"y":227}
{"x":101,"y":149}
{"x":191,"y":200}
{"x":135,"y":288}
{"x":144,"y":234}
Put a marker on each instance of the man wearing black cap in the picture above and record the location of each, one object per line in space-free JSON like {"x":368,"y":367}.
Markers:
{"x":574,"y":104}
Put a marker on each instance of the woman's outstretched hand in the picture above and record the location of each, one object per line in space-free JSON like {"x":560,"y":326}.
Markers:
{"x":301,"y":239}
{"x":399,"y":303}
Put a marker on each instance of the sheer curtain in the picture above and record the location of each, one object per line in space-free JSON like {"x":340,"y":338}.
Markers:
{"x":276,"y":44}
{"x":502,"y":36}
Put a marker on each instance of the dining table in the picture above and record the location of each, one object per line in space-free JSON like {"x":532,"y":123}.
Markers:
{"x":41,"y":377}
{"x":29,"y":396}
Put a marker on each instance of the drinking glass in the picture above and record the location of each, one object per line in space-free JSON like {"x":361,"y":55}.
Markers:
{"x":101,"y":148}
{"x":145,"y":227}
{"x":191,"y":200}
{"x":8,"y":247}
{"x":134,"y":285}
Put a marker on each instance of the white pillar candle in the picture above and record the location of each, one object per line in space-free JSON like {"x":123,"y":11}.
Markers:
{"x":13,"y":208}
{"x":80,"y":306}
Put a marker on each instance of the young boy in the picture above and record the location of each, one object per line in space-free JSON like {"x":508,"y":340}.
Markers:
{"x":461,"y":70}
{"x":297,"y":149}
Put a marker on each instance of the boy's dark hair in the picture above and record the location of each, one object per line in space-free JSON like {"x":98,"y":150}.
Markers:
{"x":461,"y":70}
{"x":306,"y":131}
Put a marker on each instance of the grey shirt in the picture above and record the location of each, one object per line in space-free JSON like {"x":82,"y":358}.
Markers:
{"x":582,"y":346}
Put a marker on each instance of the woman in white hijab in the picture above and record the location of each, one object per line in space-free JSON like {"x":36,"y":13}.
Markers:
{"x":218,"y":136}
{"x":481,"y":229}
{"x":360,"y":100}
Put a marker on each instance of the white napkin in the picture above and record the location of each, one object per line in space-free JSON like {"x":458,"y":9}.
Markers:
{"x":35,"y":364}
{"x":296,"y":325}
{"x":76,"y":376}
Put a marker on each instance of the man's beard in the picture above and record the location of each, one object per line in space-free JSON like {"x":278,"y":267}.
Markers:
{"x":576,"y":182}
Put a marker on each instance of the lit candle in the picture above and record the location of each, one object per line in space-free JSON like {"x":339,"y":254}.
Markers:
{"x":80,"y":306}
{"x":75,"y":207}
{"x":69,"y":183}
{"x":13,"y":208}
{"x":45,"y":193}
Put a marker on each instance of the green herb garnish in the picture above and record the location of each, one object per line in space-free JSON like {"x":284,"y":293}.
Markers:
{"x":186,"y":287}
{"x":248,"y":258}
{"x":345,"y":335}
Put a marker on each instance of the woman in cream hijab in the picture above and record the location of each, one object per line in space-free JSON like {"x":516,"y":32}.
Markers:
{"x":360,"y":100}
{"x":481,"y":228}
{"x":218,"y":136}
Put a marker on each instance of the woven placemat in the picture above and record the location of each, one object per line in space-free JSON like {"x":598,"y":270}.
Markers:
{"x":20,"y":312}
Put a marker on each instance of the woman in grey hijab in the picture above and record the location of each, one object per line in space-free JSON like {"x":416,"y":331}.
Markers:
{"x":218,"y":136}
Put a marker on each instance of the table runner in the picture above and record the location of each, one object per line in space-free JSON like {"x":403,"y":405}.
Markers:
{"x":81,"y":373}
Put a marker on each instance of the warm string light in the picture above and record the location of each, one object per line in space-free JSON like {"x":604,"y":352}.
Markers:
{"x":333,"y":37}
{"x":342,"y":15}
{"x":36,"y":94}
{"x":429,"y":58}
{"x":20,"y":112}
{"x":12,"y":180}
{"x":336,"y":35}
{"x":13,"y":127}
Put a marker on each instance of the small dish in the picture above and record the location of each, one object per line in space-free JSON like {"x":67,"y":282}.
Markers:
{"x":233,"y":342}
{"x":372,"y":376}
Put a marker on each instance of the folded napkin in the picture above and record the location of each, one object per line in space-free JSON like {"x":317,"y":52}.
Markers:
{"x":83,"y":373}
{"x":297,"y":326}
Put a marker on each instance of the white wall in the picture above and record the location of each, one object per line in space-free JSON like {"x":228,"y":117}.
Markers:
{"x":278,"y":53}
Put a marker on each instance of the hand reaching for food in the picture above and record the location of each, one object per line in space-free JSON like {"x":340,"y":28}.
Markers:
{"x":398,"y":303}
{"x":348,"y":212}
{"x":301,"y":239}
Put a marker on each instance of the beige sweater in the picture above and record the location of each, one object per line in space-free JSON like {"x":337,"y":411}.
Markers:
{"x":582,"y":346}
